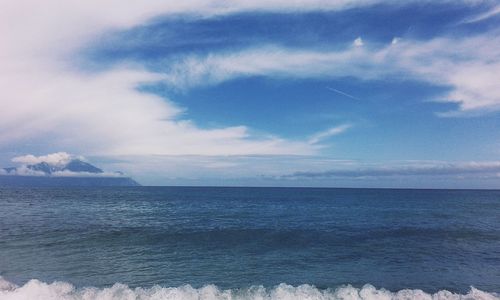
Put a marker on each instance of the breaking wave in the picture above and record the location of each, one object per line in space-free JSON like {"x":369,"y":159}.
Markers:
{"x":35,"y":289}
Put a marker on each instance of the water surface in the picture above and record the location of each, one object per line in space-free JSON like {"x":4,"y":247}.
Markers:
{"x":236,"y":238}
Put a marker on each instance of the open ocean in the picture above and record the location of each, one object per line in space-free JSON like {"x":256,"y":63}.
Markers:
{"x":249,"y":243}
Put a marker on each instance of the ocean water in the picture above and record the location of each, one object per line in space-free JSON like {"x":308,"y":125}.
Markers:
{"x":249,"y":243}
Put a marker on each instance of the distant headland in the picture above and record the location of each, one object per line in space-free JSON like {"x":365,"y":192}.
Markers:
{"x":59,"y":169}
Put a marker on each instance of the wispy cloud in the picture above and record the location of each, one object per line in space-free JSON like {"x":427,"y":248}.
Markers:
{"x":465,"y":64}
{"x":492,"y":12}
{"x":341,"y":93}
{"x":323,"y":135}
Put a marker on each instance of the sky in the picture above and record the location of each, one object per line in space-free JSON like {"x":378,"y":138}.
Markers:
{"x":337,"y":93}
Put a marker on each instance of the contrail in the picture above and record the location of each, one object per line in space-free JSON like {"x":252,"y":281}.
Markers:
{"x":342,"y":93}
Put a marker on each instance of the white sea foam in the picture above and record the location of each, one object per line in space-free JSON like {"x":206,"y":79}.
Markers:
{"x":36,"y":289}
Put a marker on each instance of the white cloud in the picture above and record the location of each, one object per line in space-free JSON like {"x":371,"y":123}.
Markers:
{"x":25,"y":171}
{"x":468,"y":65}
{"x":104,"y":114}
{"x":492,"y":12}
{"x":323,"y":135}
{"x":67,"y":173}
{"x":49,"y":103}
{"x":57,"y":160}
{"x":358,"y":42}
{"x":268,"y":60}
{"x":54,"y":159}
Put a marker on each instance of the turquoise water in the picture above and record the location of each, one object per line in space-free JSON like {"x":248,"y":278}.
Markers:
{"x":248,"y":242}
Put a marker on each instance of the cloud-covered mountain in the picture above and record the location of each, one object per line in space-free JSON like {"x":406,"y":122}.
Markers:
{"x":73,"y":166}
{"x":60,"y":169}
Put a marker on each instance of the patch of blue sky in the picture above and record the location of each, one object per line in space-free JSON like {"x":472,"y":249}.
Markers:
{"x":393,"y":118}
{"x":285,"y":105}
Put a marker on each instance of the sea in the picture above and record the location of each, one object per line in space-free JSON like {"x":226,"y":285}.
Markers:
{"x":248,"y":243}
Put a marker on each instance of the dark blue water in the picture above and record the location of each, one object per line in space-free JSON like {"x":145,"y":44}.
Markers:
{"x":236,"y":238}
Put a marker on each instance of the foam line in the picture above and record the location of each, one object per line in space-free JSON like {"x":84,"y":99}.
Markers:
{"x":35,"y":289}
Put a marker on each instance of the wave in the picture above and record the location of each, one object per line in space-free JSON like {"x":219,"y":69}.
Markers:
{"x":35,"y":289}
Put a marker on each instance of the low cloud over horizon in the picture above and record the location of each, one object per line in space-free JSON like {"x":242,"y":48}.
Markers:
{"x":491,"y":168}
{"x":271,"y":171}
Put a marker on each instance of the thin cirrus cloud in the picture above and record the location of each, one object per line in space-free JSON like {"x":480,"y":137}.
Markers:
{"x":323,"y":135}
{"x":466,"y":65}
{"x":493,"y":12}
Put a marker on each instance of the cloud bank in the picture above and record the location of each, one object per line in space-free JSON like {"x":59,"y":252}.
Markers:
{"x":54,"y":159}
{"x":420,"y":169}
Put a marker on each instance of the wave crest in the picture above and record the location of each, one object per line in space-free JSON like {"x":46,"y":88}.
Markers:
{"x":35,"y":289}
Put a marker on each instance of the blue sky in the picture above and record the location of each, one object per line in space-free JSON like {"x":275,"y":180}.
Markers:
{"x":306,"y":93}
